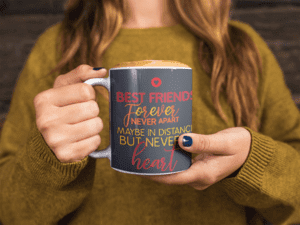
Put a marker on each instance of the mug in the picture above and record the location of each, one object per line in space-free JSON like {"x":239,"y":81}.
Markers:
{"x":150,"y":107}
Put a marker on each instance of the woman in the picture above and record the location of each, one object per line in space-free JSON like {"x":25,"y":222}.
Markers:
{"x":246,"y":127}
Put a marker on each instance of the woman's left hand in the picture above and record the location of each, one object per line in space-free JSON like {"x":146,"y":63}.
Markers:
{"x":218,"y":156}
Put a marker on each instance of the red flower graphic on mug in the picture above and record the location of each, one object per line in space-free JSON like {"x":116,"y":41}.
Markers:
{"x":156,"y":82}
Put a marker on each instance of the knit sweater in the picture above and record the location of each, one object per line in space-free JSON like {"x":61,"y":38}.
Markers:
{"x":38,"y":189}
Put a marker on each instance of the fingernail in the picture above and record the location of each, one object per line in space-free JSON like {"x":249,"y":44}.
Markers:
{"x":98,"y":68}
{"x":187,"y":141}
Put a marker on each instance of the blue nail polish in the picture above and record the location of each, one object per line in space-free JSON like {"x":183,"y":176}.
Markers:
{"x":98,"y":68}
{"x":187,"y":141}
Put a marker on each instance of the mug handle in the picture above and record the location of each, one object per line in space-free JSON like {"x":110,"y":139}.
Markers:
{"x":105,"y":82}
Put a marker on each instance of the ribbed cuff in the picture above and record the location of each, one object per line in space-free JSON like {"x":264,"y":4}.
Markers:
{"x":41,"y":163}
{"x":249,"y":178}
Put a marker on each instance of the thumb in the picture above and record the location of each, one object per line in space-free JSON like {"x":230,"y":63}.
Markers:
{"x":199,"y":143}
{"x":226,"y":142}
{"x":79,"y":75}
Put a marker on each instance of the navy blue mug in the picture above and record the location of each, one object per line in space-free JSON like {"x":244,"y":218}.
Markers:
{"x":150,"y":106}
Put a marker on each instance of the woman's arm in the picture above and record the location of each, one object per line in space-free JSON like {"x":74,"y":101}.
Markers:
{"x":271,"y":172}
{"x":36,"y":188}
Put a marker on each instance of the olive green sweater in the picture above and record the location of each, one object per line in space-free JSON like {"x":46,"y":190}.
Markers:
{"x":35,"y":188}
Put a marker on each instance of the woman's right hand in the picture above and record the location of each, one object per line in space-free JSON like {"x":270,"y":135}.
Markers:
{"x":67,"y":115}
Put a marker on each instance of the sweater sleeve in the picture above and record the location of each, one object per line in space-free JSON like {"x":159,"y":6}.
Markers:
{"x":35,"y":187}
{"x":269,"y":181}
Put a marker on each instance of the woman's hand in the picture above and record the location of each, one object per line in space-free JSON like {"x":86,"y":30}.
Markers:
{"x":67,"y":115}
{"x":218,"y":156}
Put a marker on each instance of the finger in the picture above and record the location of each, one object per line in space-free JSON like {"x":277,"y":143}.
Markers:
{"x":80,"y":112}
{"x":85,"y":129}
{"x":217,"y":143}
{"x":79,"y":75}
{"x":202,"y":173}
{"x":77,"y":151}
{"x":71,"y":94}
{"x":185,"y":177}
